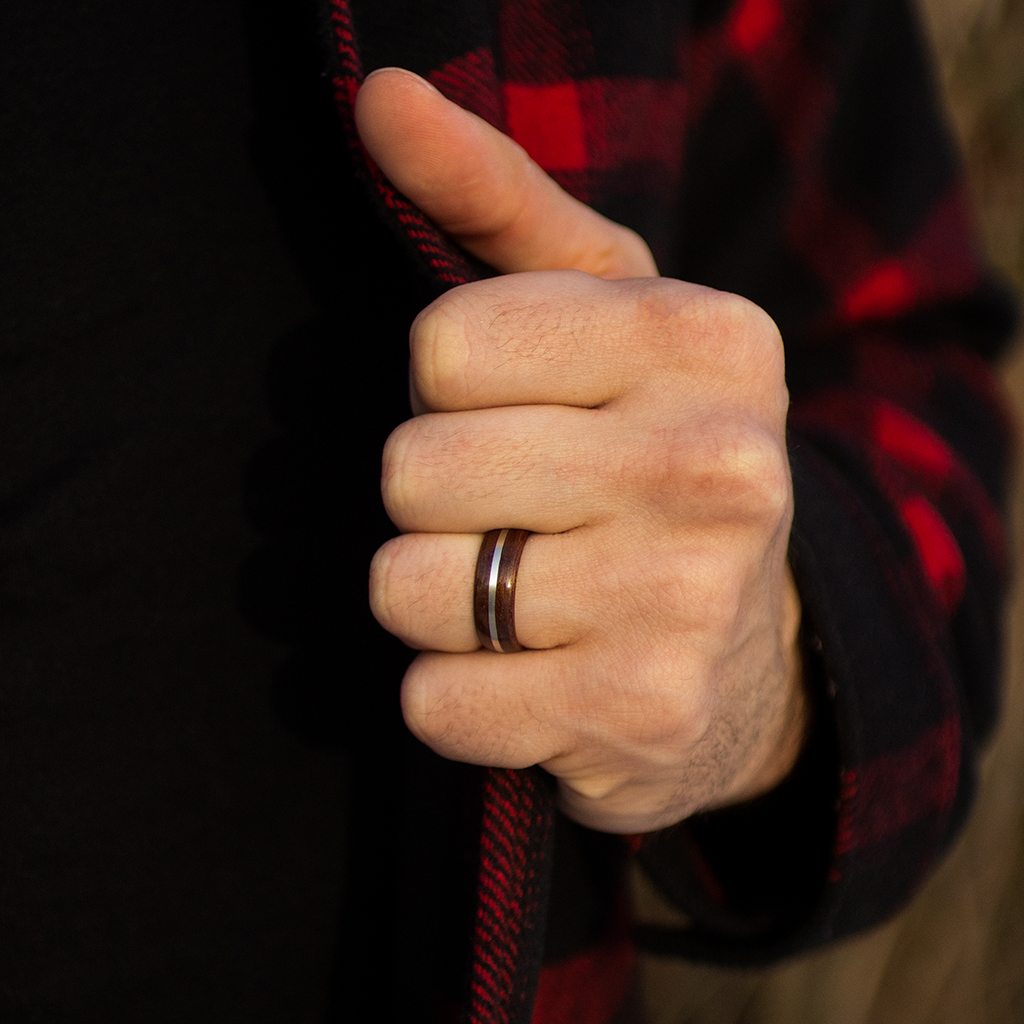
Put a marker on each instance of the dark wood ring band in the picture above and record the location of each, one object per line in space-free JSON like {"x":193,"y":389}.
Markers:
{"x":494,"y":589}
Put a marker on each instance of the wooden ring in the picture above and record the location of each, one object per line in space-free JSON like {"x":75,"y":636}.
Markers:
{"x":494,"y":589}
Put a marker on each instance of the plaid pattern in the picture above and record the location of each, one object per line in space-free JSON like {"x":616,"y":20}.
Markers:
{"x":792,"y":151}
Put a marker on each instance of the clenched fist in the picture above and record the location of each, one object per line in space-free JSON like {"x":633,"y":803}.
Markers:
{"x":636,"y":425}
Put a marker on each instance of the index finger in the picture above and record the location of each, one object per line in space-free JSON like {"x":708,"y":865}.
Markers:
{"x":552,"y":337}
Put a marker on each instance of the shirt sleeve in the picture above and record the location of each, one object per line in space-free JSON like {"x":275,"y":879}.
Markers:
{"x":856,"y":233}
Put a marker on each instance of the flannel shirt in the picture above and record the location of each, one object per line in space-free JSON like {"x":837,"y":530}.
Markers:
{"x":795,"y":152}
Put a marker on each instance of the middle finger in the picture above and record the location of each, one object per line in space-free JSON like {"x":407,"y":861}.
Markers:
{"x":544,"y":468}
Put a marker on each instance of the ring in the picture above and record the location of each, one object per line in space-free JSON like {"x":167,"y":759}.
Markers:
{"x":494,"y":589}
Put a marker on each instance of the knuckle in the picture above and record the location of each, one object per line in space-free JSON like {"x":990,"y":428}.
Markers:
{"x":743,"y":318}
{"x":385,"y":591}
{"x":744,"y":472}
{"x":762,"y":472}
{"x":429,"y":708}
{"x":665,"y":308}
{"x":442,"y":714}
{"x":400,"y":476}
{"x":439,"y":352}
{"x":397,"y":585}
{"x":414,"y":588}
{"x":728,"y":330}
{"x":757,"y":340}
{"x":418,"y":459}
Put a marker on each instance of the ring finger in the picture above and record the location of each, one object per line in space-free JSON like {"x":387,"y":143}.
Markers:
{"x":422,"y":590}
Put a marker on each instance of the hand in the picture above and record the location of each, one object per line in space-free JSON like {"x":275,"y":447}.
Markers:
{"x":637,"y":424}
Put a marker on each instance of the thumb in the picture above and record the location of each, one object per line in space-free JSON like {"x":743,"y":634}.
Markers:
{"x":482,"y":188}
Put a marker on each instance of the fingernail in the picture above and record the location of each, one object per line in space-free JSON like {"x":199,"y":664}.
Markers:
{"x":403,"y":71}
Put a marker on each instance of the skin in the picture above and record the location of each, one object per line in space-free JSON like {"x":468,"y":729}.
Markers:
{"x":637,"y":424}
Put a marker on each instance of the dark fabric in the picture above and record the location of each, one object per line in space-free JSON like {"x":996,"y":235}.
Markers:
{"x":189,"y":497}
{"x":210,"y":808}
{"x":794,"y":153}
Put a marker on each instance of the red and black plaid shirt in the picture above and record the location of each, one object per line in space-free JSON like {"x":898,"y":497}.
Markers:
{"x":794,"y":152}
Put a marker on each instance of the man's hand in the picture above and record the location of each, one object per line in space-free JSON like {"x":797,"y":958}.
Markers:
{"x":637,"y":425}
